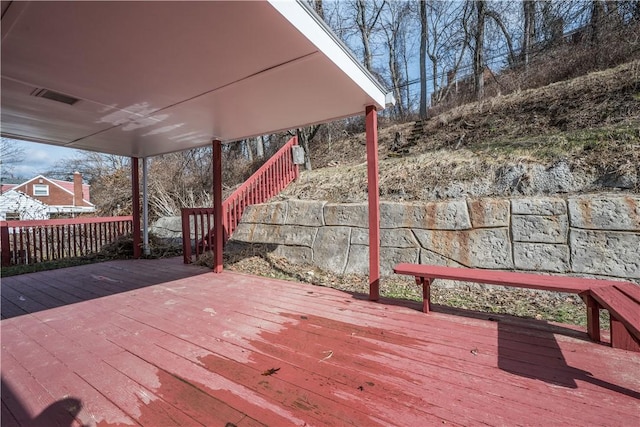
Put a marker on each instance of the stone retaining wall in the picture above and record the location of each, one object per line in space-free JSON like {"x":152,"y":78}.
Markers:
{"x":591,"y":235}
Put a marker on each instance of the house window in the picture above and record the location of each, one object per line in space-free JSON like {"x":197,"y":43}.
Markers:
{"x":40,"y":190}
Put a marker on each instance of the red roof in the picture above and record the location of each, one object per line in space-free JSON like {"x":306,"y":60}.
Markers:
{"x":69,"y":187}
{"x":7,"y":187}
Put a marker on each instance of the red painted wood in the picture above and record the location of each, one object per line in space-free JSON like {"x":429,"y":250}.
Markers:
{"x":135,"y":200}
{"x":621,"y":338}
{"x":37,"y":241}
{"x":265,"y":183}
{"x":605,"y":292}
{"x":629,"y":289}
{"x":505,"y":278}
{"x":4,"y":244}
{"x":57,"y":222}
{"x":593,"y":317}
{"x":623,"y":309}
{"x":218,"y":231}
{"x":371,"y":125}
{"x":173,"y":337}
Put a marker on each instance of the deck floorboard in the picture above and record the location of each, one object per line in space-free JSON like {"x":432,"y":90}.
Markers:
{"x":159,"y":343}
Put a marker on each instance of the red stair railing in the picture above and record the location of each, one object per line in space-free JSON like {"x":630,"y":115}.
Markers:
{"x":272,"y":177}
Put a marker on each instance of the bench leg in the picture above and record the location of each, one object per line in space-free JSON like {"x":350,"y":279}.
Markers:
{"x":593,"y":318}
{"x":621,"y":338}
{"x":426,"y":293}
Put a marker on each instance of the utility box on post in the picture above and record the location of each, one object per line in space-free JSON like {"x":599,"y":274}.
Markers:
{"x":298,"y":154}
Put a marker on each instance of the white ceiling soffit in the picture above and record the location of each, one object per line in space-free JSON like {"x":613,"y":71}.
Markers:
{"x":146,"y":78}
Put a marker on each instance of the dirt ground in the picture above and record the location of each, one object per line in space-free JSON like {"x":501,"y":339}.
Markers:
{"x":551,"y":306}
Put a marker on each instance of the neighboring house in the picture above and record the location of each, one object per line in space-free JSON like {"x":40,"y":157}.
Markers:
{"x":61,"y":198}
{"x":15,"y":205}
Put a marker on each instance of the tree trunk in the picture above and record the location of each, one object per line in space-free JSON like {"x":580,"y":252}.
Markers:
{"x":260,"y":147}
{"x":364,"y":33}
{"x":305,"y":135}
{"x":249,"y":149}
{"x":597,"y":14}
{"x":507,"y":37}
{"x":478,"y":54}
{"x":317,"y":5}
{"x":423,"y":60}
{"x":529,"y":29}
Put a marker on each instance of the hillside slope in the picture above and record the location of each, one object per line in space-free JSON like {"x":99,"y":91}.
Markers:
{"x":581,"y":135}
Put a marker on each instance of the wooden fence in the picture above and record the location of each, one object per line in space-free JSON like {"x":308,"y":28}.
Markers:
{"x":30,"y":242}
{"x":272,"y":177}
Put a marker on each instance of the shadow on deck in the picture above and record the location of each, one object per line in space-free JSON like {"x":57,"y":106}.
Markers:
{"x":169,"y":344}
{"x":34,"y":292}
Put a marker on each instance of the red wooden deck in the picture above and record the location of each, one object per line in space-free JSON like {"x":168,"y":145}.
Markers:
{"x":158,"y":343}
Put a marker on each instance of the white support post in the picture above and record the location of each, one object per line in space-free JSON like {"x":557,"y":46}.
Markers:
{"x":145,"y":208}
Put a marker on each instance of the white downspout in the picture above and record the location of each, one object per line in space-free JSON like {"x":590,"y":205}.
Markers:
{"x":145,"y":208}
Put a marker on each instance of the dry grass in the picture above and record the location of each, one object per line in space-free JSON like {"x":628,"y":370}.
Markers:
{"x":592,"y":123}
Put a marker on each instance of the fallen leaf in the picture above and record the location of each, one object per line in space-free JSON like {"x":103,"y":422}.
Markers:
{"x":270,"y":371}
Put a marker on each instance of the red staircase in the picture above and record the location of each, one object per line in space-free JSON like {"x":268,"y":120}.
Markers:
{"x":272,"y":177}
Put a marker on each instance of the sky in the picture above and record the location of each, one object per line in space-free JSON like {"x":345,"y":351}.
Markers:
{"x":39,"y":158}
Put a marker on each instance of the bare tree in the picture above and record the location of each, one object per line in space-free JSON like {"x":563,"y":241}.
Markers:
{"x":394,"y":27}
{"x":305,"y":135}
{"x":505,"y":32}
{"x":90,"y":164}
{"x":528,"y":35}
{"x":449,"y":38}
{"x":10,"y":154}
{"x":367,"y":15}
{"x":478,"y":49}
{"x":597,"y":19}
{"x":423,"y":59}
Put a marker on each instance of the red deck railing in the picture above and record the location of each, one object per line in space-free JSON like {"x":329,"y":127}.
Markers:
{"x":272,"y":177}
{"x":30,"y":242}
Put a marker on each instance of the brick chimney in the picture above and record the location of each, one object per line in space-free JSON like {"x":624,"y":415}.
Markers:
{"x":77,"y":189}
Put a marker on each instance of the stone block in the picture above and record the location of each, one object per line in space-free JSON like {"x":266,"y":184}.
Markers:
{"x":539,"y":229}
{"x":358,"y":262}
{"x":346,"y":214}
{"x":428,"y":257}
{"x":266,"y":213}
{"x":605,"y":212}
{"x":275,"y":234}
{"x":541,"y":257}
{"x":331,"y":248}
{"x":396,"y":237}
{"x":305,"y":212}
{"x":539,"y":206}
{"x":607,"y":253}
{"x":390,"y":257}
{"x":360,"y":236}
{"x":489,"y":212}
{"x":450,"y":215}
{"x":168,"y":227}
{"x":295,"y":254}
{"x":487,"y":248}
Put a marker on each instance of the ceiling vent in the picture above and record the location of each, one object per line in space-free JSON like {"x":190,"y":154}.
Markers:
{"x":55,"y":96}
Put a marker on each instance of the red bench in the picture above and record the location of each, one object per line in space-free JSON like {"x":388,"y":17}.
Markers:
{"x":623,"y":302}
{"x":621,"y":299}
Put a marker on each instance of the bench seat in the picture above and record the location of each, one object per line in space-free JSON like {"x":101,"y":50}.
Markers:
{"x":621,"y":299}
